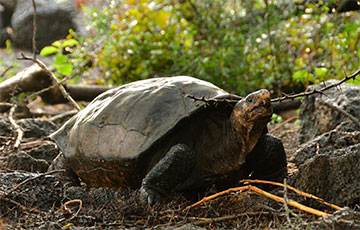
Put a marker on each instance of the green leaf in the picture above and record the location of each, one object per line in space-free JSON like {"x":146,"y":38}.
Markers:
{"x":70,"y":42}
{"x":60,"y":59}
{"x":65,"y":69}
{"x":300,"y":75}
{"x":321,"y":72}
{"x":57,"y":44}
{"x":48,"y":50}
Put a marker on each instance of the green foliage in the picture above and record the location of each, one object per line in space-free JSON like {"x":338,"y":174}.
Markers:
{"x":276,"y":119}
{"x":62,"y":64}
{"x":238,"y":45}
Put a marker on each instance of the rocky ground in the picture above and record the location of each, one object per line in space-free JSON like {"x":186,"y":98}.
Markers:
{"x":31,"y":198}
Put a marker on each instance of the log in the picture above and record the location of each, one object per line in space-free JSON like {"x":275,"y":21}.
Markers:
{"x":34,"y":78}
{"x":30,"y":79}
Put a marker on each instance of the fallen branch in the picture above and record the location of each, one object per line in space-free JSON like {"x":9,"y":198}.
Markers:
{"x":37,"y":80}
{"x":264,"y":193}
{"x":32,"y":78}
{"x":18,"y":129}
{"x":315,"y":91}
{"x":343,"y":112}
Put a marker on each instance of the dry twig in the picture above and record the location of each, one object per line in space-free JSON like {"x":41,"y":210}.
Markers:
{"x":34,"y":30}
{"x":5,"y":71}
{"x":286,"y":199}
{"x":274,"y":197}
{"x":291,"y":119}
{"x":68,"y":210}
{"x":62,"y":89}
{"x":6,"y":104}
{"x":320,"y":91}
{"x":264,"y":193}
{"x":295,"y":190}
{"x":18,"y":129}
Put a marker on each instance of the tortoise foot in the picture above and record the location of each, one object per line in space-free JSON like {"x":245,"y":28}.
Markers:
{"x":151,"y":196}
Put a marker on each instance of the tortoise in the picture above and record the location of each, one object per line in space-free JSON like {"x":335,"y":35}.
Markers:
{"x":148,"y":135}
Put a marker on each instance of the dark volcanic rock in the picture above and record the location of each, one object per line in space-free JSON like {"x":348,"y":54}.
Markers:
{"x":32,"y":127}
{"x":37,"y":127}
{"x":25,"y":162}
{"x":317,"y":118}
{"x":329,"y":158}
{"x":7,"y":8}
{"x":54,"y":19}
{"x":37,"y":158}
{"x":331,"y":143}
{"x":34,"y":160}
{"x":334,"y":178}
{"x":42,"y":192}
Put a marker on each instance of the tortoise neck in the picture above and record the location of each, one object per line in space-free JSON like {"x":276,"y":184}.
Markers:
{"x":246,"y":134}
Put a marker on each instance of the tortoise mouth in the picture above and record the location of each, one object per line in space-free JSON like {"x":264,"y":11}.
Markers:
{"x":264,"y":118}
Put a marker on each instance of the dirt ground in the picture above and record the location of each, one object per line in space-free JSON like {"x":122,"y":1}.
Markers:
{"x":40,"y":201}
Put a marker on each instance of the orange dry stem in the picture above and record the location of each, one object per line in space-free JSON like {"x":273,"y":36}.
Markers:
{"x":295,"y":190}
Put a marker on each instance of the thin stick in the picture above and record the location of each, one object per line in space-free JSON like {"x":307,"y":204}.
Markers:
{"x":18,"y":129}
{"x":216,"y":195}
{"x":286,"y":199}
{"x":34,"y":30}
{"x":61,"y":87}
{"x":291,"y":202}
{"x":291,"y":119}
{"x":6,"y":104}
{"x":31,"y":179}
{"x":295,"y":190}
{"x":343,"y":112}
{"x":5,"y":71}
{"x":66,"y":208}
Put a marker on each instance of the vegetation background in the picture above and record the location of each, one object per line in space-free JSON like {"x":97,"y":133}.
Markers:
{"x":239,"y":45}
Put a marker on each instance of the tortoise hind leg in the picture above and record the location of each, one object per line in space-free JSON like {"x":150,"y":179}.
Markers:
{"x":68,"y":175}
{"x":170,"y":171}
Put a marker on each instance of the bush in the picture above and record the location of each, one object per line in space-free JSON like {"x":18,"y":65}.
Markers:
{"x":238,"y":45}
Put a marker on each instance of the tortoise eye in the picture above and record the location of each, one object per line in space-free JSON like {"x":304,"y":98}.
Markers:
{"x":249,"y":100}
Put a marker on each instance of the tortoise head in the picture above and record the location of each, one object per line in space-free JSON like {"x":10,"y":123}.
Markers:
{"x":249,"y":118}
{"x":255,"y":107}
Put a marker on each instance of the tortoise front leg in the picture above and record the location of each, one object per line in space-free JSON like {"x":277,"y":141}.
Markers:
{"x":171,"y":170}
{"x":267,"y":161}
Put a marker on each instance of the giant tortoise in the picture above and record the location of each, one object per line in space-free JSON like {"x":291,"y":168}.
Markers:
{"x":149,"y":135}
